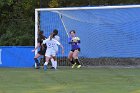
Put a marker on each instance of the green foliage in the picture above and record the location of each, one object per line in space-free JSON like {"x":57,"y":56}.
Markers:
{"x":17,"y":17}
{"x":17,"y":23}
{"x":53,"y":3}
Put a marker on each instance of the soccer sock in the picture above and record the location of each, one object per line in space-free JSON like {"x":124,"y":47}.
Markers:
{"x":77,"y":61}
{"x":72,"y":62}
{"x":36,"y":61}
{"x":53,"y":63}
{"x":46,"y":63}
{"x":45,"y":66}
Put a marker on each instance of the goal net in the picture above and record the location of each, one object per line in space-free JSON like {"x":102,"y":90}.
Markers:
{"x":110,"y":35}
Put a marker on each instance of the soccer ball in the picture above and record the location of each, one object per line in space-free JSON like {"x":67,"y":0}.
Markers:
{"x":75,"y":39}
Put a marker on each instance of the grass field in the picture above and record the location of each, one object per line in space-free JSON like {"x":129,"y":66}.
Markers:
{"x":66,"y":80}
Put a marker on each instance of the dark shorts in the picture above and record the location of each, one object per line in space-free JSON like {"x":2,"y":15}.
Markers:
{"x":42,"y":52}
{"x":76,"y":49}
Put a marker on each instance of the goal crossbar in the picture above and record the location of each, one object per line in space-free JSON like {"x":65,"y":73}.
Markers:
{"x":87,"y":8}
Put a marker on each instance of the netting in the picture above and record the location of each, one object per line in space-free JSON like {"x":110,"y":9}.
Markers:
{"x":108,"y":36}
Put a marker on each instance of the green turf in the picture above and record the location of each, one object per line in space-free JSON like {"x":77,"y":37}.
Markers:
{"x":66,"y":80}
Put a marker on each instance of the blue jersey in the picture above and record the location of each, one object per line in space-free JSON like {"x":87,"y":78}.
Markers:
{"x":74,"y":45}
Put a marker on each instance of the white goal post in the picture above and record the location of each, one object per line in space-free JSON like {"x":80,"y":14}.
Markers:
{"x":74,"y":8}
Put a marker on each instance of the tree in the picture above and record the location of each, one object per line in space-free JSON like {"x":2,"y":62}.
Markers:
{"x":17,"y":17}
{"x":17,"y":22}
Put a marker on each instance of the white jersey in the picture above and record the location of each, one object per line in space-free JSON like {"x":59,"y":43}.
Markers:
{"x":51,"y":44}
{"x":51,"y":47}
{"x":56,"y":38}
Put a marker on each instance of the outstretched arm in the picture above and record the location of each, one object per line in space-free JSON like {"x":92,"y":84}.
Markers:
{"x":58,"y":43}
{"x":62,"y":48}
{"x":38,"y":45}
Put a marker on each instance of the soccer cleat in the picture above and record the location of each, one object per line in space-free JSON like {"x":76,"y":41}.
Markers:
{"x":73,"y":65}
{"x":79,"y":66}
{"x":45,"y":67}
{"x":52,"y":68}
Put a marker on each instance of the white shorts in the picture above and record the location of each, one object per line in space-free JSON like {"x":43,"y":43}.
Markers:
{"x":50,"y":53}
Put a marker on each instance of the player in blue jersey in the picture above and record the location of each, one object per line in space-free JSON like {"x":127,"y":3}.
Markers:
{"x":75,"y":49}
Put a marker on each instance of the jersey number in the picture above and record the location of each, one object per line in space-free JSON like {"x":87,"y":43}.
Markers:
{"x":51,"y":45}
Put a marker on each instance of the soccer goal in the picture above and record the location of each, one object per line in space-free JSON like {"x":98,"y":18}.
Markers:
{"x":110,"y":35}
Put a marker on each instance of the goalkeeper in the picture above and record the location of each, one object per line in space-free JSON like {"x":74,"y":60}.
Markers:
{"x":75,"y":49}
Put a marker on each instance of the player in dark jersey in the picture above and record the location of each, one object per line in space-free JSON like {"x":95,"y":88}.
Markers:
{"x":41,"y":51}
{"x":75,"y":49}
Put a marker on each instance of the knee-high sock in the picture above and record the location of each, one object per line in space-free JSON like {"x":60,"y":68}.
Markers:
{"x":36,"y":60}
{"x":53,"y":63}
{"x":46,"y":63}
{"x":72,"y":62}
{"x":77,"y":61}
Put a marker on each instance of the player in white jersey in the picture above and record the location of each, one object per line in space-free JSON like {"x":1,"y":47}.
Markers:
{"x":56,"y":37}
{"x":51,"y":49}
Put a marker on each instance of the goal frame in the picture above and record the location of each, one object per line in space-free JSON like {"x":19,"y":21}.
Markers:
{"x":75,"y":8}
